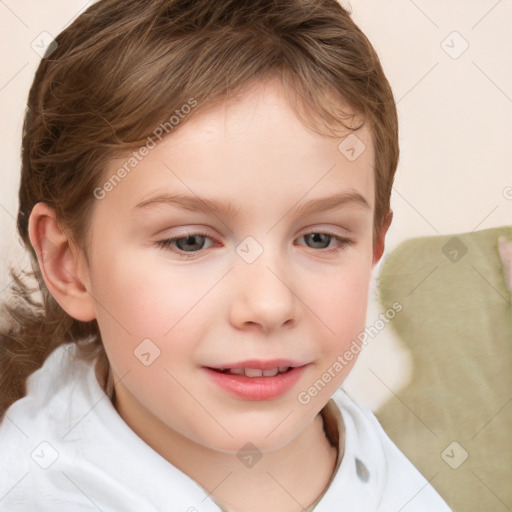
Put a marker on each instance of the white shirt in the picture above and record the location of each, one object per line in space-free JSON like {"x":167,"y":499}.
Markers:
{"x":64,"y":448}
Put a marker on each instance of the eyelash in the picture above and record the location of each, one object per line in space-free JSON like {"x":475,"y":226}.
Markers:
{"x":166,"y":244}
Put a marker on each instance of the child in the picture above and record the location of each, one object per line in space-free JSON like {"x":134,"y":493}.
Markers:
{"x":202,"y":378}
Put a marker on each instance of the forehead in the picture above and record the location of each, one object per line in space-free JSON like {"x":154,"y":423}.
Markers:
{"x":252,"y":152}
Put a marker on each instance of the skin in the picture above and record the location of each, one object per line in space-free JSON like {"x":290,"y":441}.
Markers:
{"x":294,"y":301}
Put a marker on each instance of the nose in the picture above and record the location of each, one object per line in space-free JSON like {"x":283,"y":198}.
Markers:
{"x":263,"y":296}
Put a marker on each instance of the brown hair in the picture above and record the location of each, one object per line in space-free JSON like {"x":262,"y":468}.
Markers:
{"x":122,"y":68}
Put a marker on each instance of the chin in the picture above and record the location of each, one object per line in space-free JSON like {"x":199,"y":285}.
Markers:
{"x":267,"y":432}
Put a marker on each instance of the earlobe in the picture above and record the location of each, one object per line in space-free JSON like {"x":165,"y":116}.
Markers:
{"x":59,"y":264}
{"x":378,"y":249}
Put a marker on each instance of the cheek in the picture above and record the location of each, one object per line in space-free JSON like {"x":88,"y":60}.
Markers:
{"x":148,"y":327}
{"x":145,"y":296}
{"x":341,"y":300}
{"x":142,"y":294}
{"x":341,"y":305}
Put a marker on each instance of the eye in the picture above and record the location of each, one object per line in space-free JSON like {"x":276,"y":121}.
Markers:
{"x":184,"y":243}
{"x":340,"y":241}
{"x":189,"y":244}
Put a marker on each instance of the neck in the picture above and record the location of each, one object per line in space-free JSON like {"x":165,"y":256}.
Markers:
{"x":289,"y":479}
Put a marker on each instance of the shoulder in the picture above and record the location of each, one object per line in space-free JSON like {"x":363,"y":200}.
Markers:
{"x":61,"y":374}
{"x":31,"y":425}
{"x":395,"y":482}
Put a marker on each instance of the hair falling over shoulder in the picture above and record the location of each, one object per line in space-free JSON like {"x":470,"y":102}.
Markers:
{"x":121,"y":69}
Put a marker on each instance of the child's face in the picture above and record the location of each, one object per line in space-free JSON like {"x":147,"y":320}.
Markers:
{"x":255,"y":288}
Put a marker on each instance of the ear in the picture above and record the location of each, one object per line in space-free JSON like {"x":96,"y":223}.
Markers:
{"x":60,"y":262}
{"x":378,"y":248}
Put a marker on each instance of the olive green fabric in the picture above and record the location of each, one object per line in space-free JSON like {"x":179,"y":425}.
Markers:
{"x":456,"y":323}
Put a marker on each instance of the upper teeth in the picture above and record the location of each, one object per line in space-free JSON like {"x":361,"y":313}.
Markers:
{"x":256,"y":372}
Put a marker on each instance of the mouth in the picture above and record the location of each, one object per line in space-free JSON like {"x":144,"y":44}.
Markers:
{"x":256,"y":380}
{"x":255,"y":372}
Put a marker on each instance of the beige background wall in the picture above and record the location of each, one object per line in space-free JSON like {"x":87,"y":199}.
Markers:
{"x":450,"y":66}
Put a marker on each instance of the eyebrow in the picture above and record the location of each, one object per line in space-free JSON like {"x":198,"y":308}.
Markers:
{"x":227,"y":209}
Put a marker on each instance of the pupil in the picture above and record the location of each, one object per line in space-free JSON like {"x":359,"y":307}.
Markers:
{"x":189,"y":240}
{"x":315,"y":236}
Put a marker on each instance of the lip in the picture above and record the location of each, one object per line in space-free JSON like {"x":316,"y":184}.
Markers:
{"x":256,"y":388}
{"x":258,"y":363}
